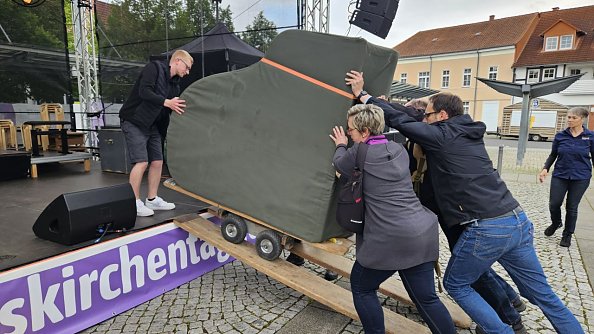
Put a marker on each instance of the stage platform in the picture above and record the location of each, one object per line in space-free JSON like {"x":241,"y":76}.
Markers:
{"x":23,"y":200}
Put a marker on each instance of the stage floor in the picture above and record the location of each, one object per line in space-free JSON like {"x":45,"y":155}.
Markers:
{"x":23,"y":200}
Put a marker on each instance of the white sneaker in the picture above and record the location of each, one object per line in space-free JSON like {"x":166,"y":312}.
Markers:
{"x":142,"y":210}
{"x":159,"y":204}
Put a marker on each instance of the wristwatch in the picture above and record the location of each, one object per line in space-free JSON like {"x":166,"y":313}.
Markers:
{"x":363,"y":93}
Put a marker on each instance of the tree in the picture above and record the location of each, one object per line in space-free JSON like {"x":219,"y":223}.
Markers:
{"x":260,"y":33}
{"x":22,"y":76}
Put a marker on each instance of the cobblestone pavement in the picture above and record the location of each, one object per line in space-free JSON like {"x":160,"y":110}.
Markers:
{"x":237,"y":299}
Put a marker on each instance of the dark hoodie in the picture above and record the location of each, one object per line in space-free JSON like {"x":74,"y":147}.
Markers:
{"x":466,"y":185}
{"x":144,"y":107}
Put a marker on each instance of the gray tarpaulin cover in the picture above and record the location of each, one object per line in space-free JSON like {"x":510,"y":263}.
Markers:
{"x":256,"y":139}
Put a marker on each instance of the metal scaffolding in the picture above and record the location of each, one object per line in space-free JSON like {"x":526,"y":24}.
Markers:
{"x":85,"y":70}
{"x":315,"y":15}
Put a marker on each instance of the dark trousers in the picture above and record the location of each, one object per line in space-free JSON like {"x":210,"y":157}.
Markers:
{"x":494,"y":289}
{"x":490,"y":286}
{"x":420,"y":286}
{"x":574,"y":189}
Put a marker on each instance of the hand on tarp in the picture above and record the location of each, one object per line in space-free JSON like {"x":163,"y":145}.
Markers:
{"x":355,"y":80}
{"x":176,"y":104}
{"x":339,"y":136}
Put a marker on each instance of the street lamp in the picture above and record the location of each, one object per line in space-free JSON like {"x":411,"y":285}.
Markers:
{"x":528,"y":92}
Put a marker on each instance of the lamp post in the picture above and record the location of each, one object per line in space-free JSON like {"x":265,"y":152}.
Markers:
{"x":528,"y":92}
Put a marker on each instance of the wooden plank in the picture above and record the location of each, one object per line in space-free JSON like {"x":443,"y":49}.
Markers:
{"x":334,"y":245}
{"x":392,"y":287}
{"x":298,"y":278}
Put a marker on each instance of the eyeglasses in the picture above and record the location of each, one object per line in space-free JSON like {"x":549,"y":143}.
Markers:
{"x":349,"y":129}
{"x":188,"y":68}
{"x":431,"y":113}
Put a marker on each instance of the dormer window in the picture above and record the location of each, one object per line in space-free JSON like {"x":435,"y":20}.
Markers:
{"x":551,"y":43}
{"x":566,"y":42}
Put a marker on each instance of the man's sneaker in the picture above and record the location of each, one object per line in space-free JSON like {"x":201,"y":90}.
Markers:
{"x":519,"y":328}
{"x":159,"y":204}
{"x":330,"y":275}
{"x":519,"y":305}
{"x":142,"y":210}
{"x":295,"y":259}
{"x":551,"y":229}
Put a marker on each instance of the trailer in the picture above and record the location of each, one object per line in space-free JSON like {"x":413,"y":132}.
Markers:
{"x":270,"y":242}
{"x":544,"y":122}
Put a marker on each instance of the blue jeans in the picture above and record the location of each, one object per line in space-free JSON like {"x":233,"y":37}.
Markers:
{"x":509,"y":241}
{"x":574,"y":189}
{"x":419,"y":284}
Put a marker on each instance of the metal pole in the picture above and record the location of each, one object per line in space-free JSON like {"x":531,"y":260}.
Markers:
{"x":500,"y":159}
{"x":523,"y":138}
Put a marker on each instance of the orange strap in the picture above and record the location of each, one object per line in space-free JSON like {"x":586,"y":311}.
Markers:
{"x":308,"y":78}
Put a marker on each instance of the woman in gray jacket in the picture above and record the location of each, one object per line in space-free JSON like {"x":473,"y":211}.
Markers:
{"x":399,"y":233}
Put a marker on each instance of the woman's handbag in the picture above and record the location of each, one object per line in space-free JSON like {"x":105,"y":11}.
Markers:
{"x":350,"y":210}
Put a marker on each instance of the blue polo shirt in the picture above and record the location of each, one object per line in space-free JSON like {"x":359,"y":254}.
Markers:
{"x":574,"y":155}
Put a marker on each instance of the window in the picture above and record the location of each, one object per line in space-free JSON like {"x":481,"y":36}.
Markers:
{"x":548,"y":74}
{"x":566,"y":42}
{"x":466,"y":106}
{"x":551,"y":43}
{"x":575,"y":71}
{"x":445,"y":79}
{"x":533,"y":75}
{"x":466,"y":77}
{"x":424,"y":79}
{"x":493,"y":72}
{"x":403,"y":77}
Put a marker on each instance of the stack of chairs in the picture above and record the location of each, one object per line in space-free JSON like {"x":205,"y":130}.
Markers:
{"x":8,"y":134}
{"x":75,"y":139}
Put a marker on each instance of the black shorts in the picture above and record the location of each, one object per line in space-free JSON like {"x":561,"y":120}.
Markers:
{"x":142,"y":147}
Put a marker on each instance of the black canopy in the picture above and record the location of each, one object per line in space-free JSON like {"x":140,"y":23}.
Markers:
{"x":219,"y":50}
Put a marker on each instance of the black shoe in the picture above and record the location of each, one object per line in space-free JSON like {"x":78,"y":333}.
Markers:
{"x":295,"y":259}
{"x":519,"y":328}
{"x":565,"y":241}
{"x":519,"y":305}
{"x":330,"y":275}
{"x":551,"y":229}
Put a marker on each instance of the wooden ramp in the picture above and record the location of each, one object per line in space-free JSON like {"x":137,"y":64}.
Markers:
{"x":298,"y":278}
{"x":335,"y":245}
{"x":392,"y":287}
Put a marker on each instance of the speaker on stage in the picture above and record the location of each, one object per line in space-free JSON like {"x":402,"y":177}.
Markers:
{"x":375,"y":16}
{"x":75,"y":217}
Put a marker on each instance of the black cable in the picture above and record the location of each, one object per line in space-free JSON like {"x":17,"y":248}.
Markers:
{"x":104,"y":232}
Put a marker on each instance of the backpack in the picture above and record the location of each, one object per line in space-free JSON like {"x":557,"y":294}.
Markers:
{"x":350,"y":210}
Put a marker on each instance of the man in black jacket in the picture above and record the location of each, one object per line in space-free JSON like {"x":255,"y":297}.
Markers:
{"x":144,"y":120}
{"x":469,"y":193}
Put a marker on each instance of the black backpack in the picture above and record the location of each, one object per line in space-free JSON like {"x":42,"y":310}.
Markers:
{"x":350,"y":210}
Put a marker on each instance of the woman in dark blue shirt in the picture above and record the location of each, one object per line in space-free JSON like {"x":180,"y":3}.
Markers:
{"x":573,"y":148}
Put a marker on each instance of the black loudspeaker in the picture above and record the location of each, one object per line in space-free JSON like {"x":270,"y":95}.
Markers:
{"x":375,"y":16}
{"x":80,"y":216}
{"x":385,"y":8}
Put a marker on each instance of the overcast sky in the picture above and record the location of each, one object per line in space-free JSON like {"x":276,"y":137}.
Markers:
{"x":412,"y":15}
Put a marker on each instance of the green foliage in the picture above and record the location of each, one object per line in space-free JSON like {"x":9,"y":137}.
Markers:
{"x":260,"y":33}
{"x":143,"y":25}
{"x":22,"y":76}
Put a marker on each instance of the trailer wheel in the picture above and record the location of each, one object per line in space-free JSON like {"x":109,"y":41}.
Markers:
{"x":268,"y":245}
{"x":234,"y":228}
{"x":535,"y":137}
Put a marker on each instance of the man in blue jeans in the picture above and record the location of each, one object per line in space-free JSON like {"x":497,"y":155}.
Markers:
{"x":470,"y":194}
